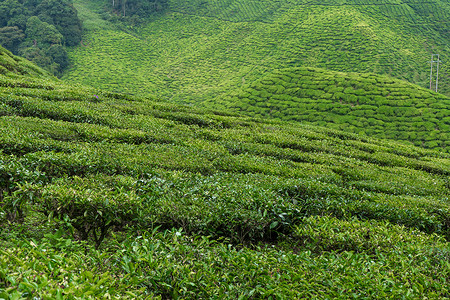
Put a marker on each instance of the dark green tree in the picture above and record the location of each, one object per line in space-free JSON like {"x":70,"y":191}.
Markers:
{"x":41,"y":33}
{"x":19,"y":21}
{"x":11,"y":37}
{"x":59,"y":56}
{"x":41,"y":37}
{"x":64,"y":17}
{"x":11,"y":9}
{"x":38,"y":56}
{"x":38,"y":29}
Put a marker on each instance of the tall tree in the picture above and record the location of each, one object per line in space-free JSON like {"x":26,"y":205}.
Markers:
{"x":43,"y":33}
{"x":64,"y":16}
{"x":10,"y":9}
{"x":11,"y":37}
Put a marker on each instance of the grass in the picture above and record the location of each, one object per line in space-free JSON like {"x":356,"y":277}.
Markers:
{"x":117,"y":196}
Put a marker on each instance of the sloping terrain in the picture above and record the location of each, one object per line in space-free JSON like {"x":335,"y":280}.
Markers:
{"x":105,"y":195}
{"x":199,"y":50}
{"x":14,"y":65}
{"x":370,"y":104}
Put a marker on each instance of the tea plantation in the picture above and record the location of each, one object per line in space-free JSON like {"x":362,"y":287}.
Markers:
{"x":199,"y":50}
{"x":110,"y":196}
{"x":369,"y":104}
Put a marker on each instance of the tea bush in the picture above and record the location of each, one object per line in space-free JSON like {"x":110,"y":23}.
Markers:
{"x":173,"y":264}
{"x":92,"y":212}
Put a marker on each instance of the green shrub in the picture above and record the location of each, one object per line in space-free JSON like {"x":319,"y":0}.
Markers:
{"x":93,"y":205}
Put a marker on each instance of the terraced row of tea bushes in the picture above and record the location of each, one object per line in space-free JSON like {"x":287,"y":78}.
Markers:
{"x":117,"y":136}
{"x":234,"y":11}
{"x":173,"y":264}
{"x":363,"y":103}
{"x":243,"y":208}
{"x":219,"y":147}
{"x":242,"y":10}
{"x":192,"y":57}
{"x":169,"y":120}
{"x":93,"y":183}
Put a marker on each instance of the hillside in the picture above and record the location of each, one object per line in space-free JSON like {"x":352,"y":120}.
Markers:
{"x":369,"y":104}
{"x":105,"y":195}
{"x":199,"y":50}
{"x":13,"y":65}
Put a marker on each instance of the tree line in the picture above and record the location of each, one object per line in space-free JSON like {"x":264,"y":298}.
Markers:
{"x":137,"y":8}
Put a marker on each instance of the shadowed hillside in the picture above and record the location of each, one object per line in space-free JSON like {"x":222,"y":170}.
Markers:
{"x":11,"y":65}
{"x":105,"y":195}
{"x":370,"y":104}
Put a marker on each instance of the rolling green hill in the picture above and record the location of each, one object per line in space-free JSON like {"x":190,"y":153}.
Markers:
{"x":198,"y":50}
{"x":369,"y":104}
{"x":106,"y":195}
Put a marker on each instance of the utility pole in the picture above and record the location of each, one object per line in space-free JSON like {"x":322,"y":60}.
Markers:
{"x":434,"y":59}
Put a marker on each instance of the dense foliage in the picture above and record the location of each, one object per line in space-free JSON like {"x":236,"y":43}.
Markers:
{"x":93,"y":184}
{"x":39,"y":30}
{"x":371,"y":104}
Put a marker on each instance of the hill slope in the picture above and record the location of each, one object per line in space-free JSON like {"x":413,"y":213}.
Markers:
{"x":201,"y":49}
{"x":11,"y":65}
{"x":97,"y":181}
{"x":371,"y":104}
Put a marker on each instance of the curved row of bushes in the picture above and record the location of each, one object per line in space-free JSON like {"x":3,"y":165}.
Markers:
{"x":368,"y":104}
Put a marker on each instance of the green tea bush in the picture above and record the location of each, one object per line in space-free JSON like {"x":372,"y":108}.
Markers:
{"x":14,"y":174}
{"x":321,"y":234}
{"x":92,"y":212}
{"x":37,"y":269}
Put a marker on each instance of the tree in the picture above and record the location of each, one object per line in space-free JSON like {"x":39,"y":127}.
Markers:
{"x":64,"y":17}
{"x":10,"y":9}
{"x":37,"y":29}
{"x":42,"y":33}
{"x":11,"y":37}
{"x":37,"y":56}
{"x":59,"y":56}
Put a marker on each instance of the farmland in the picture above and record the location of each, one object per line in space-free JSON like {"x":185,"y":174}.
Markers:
{"x":107,"y":195}
{"x":368,"y":104}
{"x":202,"y":50}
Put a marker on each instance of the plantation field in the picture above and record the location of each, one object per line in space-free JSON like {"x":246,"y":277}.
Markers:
{"x":200,"y":50}
{"x":368,"y":104}
{"x":107,"y":195}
